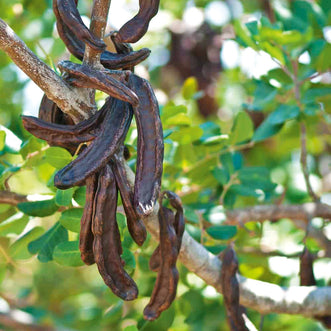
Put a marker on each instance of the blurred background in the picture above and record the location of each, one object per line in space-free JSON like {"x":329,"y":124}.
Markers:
{"x":232,"y":128}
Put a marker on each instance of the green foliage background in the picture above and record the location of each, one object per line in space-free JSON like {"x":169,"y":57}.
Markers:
{"x":207,"y":162}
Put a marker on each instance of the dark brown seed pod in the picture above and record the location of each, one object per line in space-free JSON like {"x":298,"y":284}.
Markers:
{"x":67,"y":10}
{"x":230,"y":286}
{"x":54,"y":133}
{"x":86,"y":236}
{"x":85,"y":76}
{"x":150,"y":146}
{"x":67,"y":136}
{"x":155,"y":260}
{"x":50,"y":112}
{"x":135,"y":225}
{"x":179,"y":223}
{"x":108,"y":59}
{"x":110,"y":138}
{"x":164,"y":291}
{"x":107,"y":242}
{"x":136,"y":28}
{"x":307,"y":277}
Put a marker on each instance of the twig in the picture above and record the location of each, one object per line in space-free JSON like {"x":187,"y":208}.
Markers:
{"x":11,"y":198}
{"x":71,"y":100}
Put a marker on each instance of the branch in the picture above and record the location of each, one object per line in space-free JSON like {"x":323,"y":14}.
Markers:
{"x":11,"y":198}
{"x":72,"y":101}
{"x":304,"y":212}
{"x":301,"y":215}
{"x":262,"y":296}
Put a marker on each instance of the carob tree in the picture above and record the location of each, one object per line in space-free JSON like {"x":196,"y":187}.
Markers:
{"x":100,"y":166}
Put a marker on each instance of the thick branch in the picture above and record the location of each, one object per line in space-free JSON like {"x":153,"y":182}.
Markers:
{"x":261,"y":296}
{"x":11,"y":198}
{"x":71,"y":100}
{"x":304,"y":212}
{"x":299,"y":214}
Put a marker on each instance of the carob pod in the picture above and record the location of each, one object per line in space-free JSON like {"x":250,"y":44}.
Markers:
{"x":95,"y":156}
{"x":178,"y":223}
{"x":149,"y":147}
{"x":50,"y":112}
{"x":108,"y":59}
{"x":230,"y":287}
{"x":135,"y":225}
{"x":155,"y":259}
{"x":107,"y":241}
{"x":136,"y":28}
{"x":86,"y":236}
{"x":165,"y":288}
{"x":67,"y":10}
{"x":81,"y":75}
{"x":67,"y":136}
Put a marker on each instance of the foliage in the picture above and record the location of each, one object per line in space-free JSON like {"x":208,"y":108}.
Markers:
{"x":215,"y":164}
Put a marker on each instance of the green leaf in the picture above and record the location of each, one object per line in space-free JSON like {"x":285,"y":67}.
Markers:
{"x":222,"y":232}
{"x":284,"y":113}
{"x":2,"y":140}
{"x":45,"y":244}
{"x":311,"y":95}
{"x":273,"y":51}
{"x":180,"y":119}
{"x":70,"y":219}
{"x":227,"y":162}
{"x":244,"y":34}
{"x":242,"y":129}
{"x":221,"y":175}
{"x":19,"y":249}
{"x":190,"y":87}
{"x":130,"y":262}
{"x":64,"y":197}
{"x":243,"y":190}
{"x":266,"y":130}
{"x":186,"y":135}
{"x":216,"y":249}
{"x":323,"y":61}
{"x":190,"y":215}
{"x":38,"y":208}
{"x":80,"y":195}
{"x":171,"y":110}
{"x":15,"y":224}
{"x":30,"y":146}
{"x":58,"y":157}
{"x":214,"y":140}
{"x":67,"y":253}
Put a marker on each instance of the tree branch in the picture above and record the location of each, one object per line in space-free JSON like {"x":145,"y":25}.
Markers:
{"x":11,"y":198}
{"x":262,"y":296}
{"x":304,"y":212}
{"x":72,"y":101}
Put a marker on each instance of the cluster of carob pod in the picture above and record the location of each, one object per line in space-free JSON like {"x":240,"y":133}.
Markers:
{"x":100,"y":164}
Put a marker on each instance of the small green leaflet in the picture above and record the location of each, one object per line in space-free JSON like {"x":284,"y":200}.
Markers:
{"x":64,"y":197}
{"x":19,"y":249}
{"x":45,"y":244}
{"x":70,"y":219}
{"x":266,"y":130}
{"x":2,"y":140}
{"x":58,"y":157}
{"x":38,"y":208}
{"x":222,"y":232}
{"x":67,"y":253}
{"x":242,"y":129}
{"x":216,"y":249}
{"x":80,"y":195}
{"x":15,"y":224}
{"x":284,"y":113}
